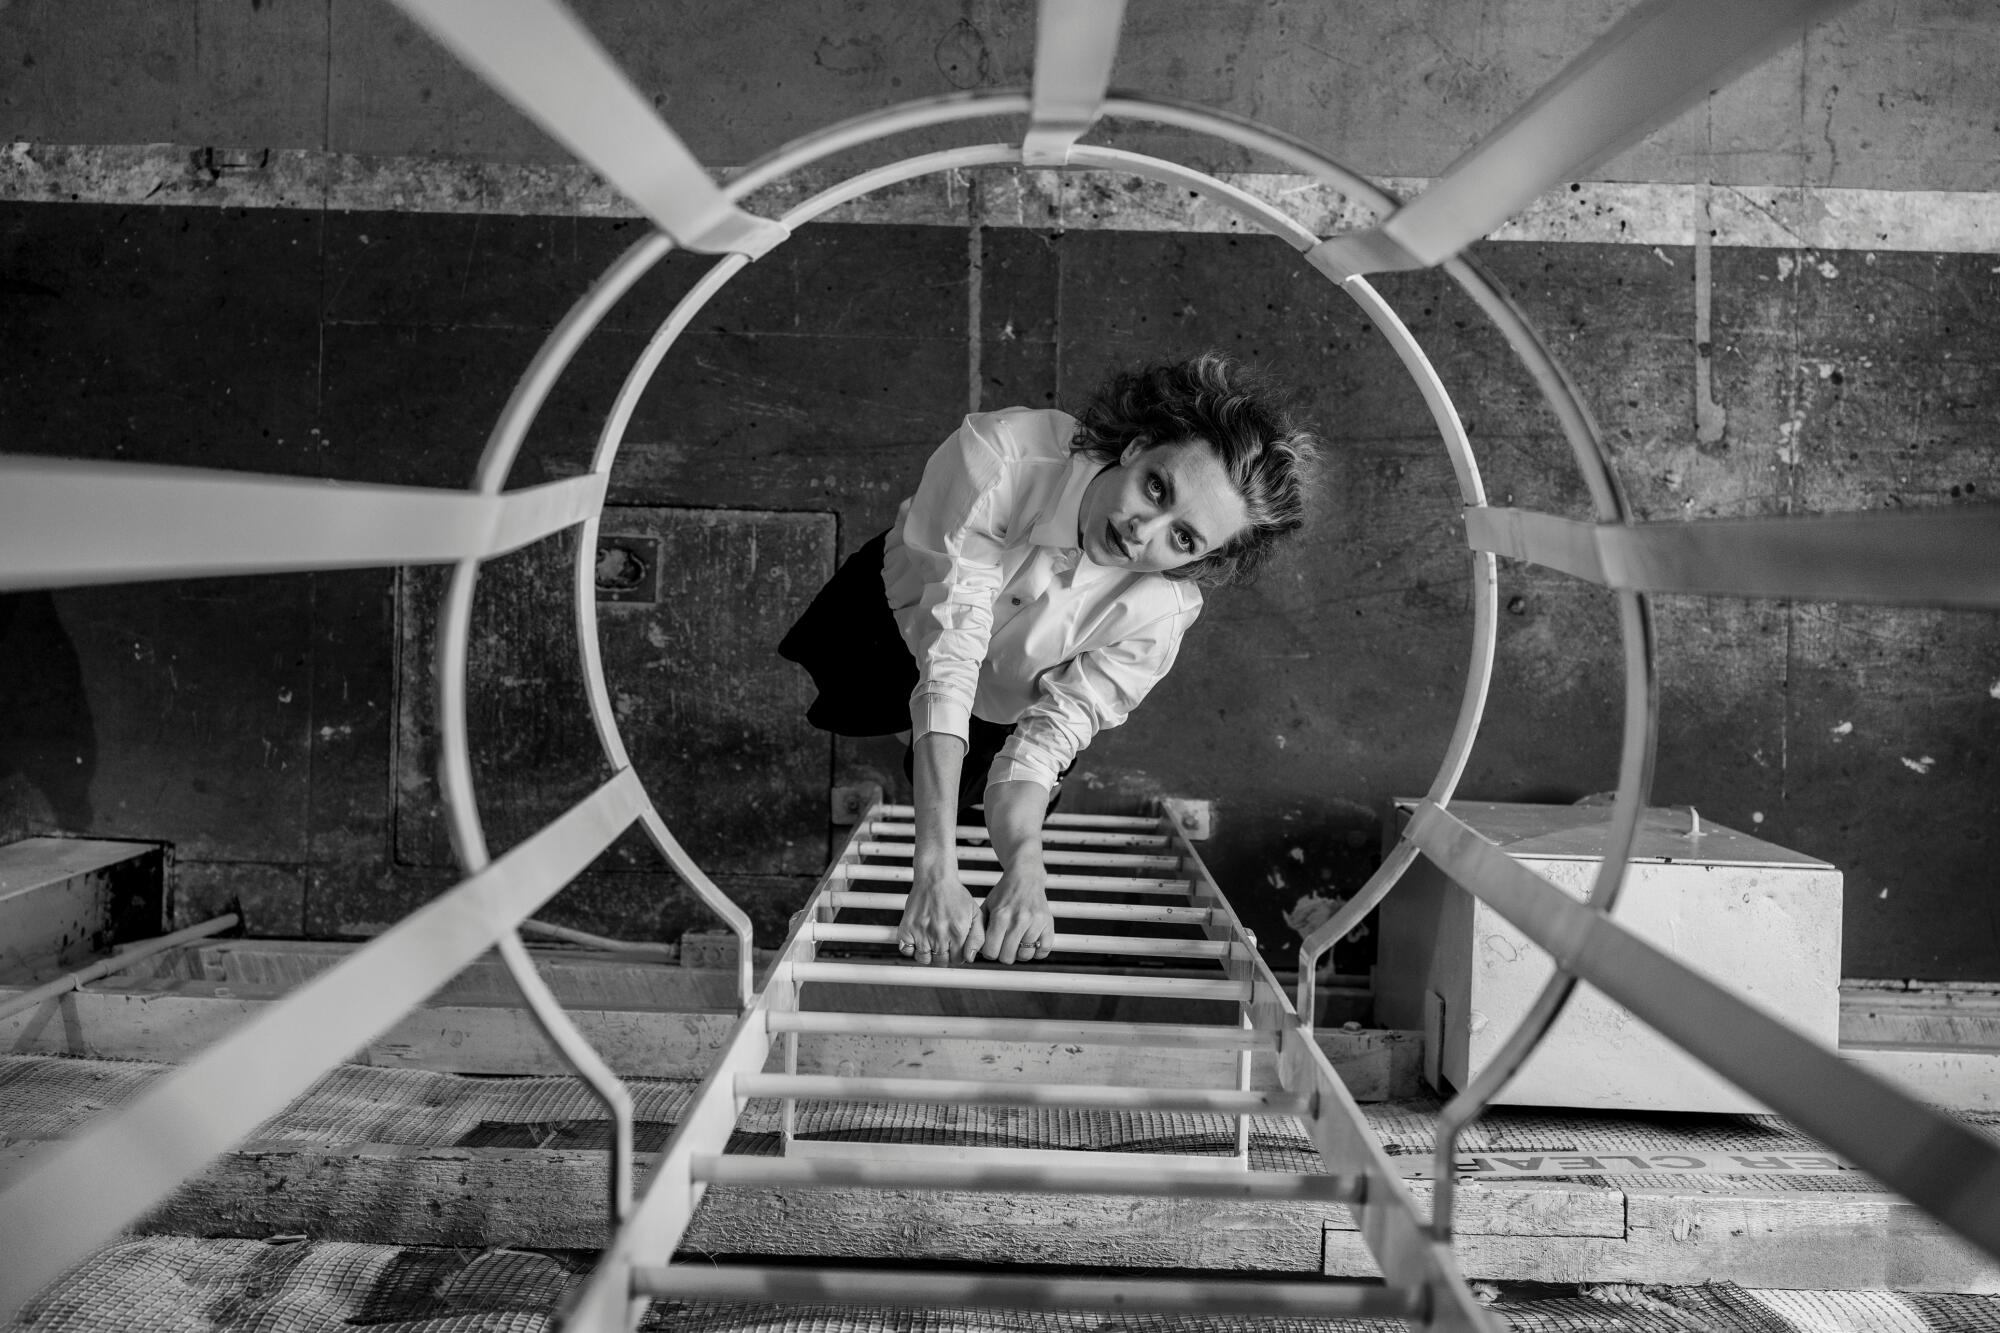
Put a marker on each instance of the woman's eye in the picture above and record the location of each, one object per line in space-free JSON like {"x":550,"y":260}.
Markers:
{"x":1153,"y":488}
{"x":1183,"y":541}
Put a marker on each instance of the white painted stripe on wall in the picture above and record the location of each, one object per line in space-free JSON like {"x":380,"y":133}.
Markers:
{"x":1778,"y":217}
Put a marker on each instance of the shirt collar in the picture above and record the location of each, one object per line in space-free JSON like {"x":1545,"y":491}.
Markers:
{"x":1059,"y":528}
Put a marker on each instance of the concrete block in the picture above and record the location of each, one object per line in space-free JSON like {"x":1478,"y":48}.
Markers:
{"x":65,"y":900}
{"x":1758,"y":918}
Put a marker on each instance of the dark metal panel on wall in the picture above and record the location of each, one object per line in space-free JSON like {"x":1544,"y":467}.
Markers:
{"x":692,"y":604}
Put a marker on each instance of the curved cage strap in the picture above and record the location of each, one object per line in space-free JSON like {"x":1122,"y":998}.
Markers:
{"x":546,"y":63}
{"x":1076,"y":42}
{"x":1654,"y":62}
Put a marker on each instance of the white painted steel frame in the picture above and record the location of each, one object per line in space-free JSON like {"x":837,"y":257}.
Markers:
{"x":542,"y":58}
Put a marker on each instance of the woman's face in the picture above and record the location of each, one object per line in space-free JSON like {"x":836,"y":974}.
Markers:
{"x":1160,"y":508}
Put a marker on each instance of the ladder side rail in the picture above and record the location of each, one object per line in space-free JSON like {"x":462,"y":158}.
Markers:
{"x":1385,"y":1213}
{"x":605,"y":1301}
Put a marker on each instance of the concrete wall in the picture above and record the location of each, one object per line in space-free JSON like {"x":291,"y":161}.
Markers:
{"x":276,"y":729}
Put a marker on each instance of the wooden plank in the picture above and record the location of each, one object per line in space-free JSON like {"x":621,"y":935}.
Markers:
{"x":489,"y":1039}
{"x":497,"y":1037}
{"x":170,"y":1020}
{"x":1966,"y":1079}
{"x":388,"y":1194}
{"x":425,"y":1195}
{"x":1376,"y":1064}
{"x":581,"y":977}
{"x":1544,"y":1208}
{"x":1953,"y":1016}
{"x":1831,"y":1242}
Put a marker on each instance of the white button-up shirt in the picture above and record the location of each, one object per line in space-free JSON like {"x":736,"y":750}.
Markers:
{"x":1004,"y":615}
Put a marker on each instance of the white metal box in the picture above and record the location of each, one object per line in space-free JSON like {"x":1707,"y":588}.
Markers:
{"x":1762,"y":920}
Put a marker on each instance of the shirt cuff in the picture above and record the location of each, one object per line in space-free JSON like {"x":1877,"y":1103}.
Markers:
{"x":936,"y":712}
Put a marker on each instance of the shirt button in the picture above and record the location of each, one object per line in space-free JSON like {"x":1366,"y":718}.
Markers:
{"x":1015,"y":600}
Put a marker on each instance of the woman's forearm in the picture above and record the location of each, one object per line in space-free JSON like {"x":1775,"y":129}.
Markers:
{"x":940,"y":922}
{"x":938,"y":759}
{"x":1014,"y":812}
{"x":1019,"y":926}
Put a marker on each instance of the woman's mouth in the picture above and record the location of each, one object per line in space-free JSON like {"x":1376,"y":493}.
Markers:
{"x":1115,"y":543}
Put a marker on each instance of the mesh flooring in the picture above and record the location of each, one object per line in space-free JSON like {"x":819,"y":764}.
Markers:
{"x":290,"y":1286}
{"x":1409,"y":1129}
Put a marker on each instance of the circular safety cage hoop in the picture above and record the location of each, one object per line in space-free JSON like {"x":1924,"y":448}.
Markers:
{"x":1592,"y":460}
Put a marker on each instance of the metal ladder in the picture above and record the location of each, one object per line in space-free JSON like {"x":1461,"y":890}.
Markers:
{"x":1143,"y":873}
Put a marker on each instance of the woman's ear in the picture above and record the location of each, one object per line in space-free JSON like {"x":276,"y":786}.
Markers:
{"x":1137,"y":445}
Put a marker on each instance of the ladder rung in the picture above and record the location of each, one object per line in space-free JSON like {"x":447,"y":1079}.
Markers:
{"x":1054,"y":856}
{"x":1136,"y":823}
{"x":1018,"y":977}
{"x":835,"y":932}
{"x":933,"y":1290}
{"x":1180,"y":888}
{"x":874,"y":1150}
{"x":1174,"y":1036}
{"x":993,"y":1174}
{"x":1064,"y":909}
{"x":1074,"y":1096}
{"x":1073,"y":837}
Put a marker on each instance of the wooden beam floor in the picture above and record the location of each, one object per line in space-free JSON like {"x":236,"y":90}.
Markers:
{"x":416,"y":1157}
{"x":417,"y":1143}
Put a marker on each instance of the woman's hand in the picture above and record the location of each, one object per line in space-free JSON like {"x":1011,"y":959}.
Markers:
{"x":1019,"y":925}
{"x":940,"y":922}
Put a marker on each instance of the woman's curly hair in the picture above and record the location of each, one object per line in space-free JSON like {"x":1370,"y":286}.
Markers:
{"x":1269,"y":457}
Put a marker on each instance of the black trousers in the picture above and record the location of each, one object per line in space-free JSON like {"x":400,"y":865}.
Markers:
{"x":849,"y":641}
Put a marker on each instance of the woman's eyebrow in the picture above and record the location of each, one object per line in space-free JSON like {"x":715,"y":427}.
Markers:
{"x":1167,"y":499}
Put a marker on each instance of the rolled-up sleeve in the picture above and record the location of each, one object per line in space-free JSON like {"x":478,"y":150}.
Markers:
{"x":1092,"y":692}
{"x":952,"y":536}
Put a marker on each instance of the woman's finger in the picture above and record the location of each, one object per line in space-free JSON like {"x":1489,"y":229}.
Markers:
{"x":1007,"y":945}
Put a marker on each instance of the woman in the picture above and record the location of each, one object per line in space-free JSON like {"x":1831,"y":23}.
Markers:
{"x":1029,"y":594}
